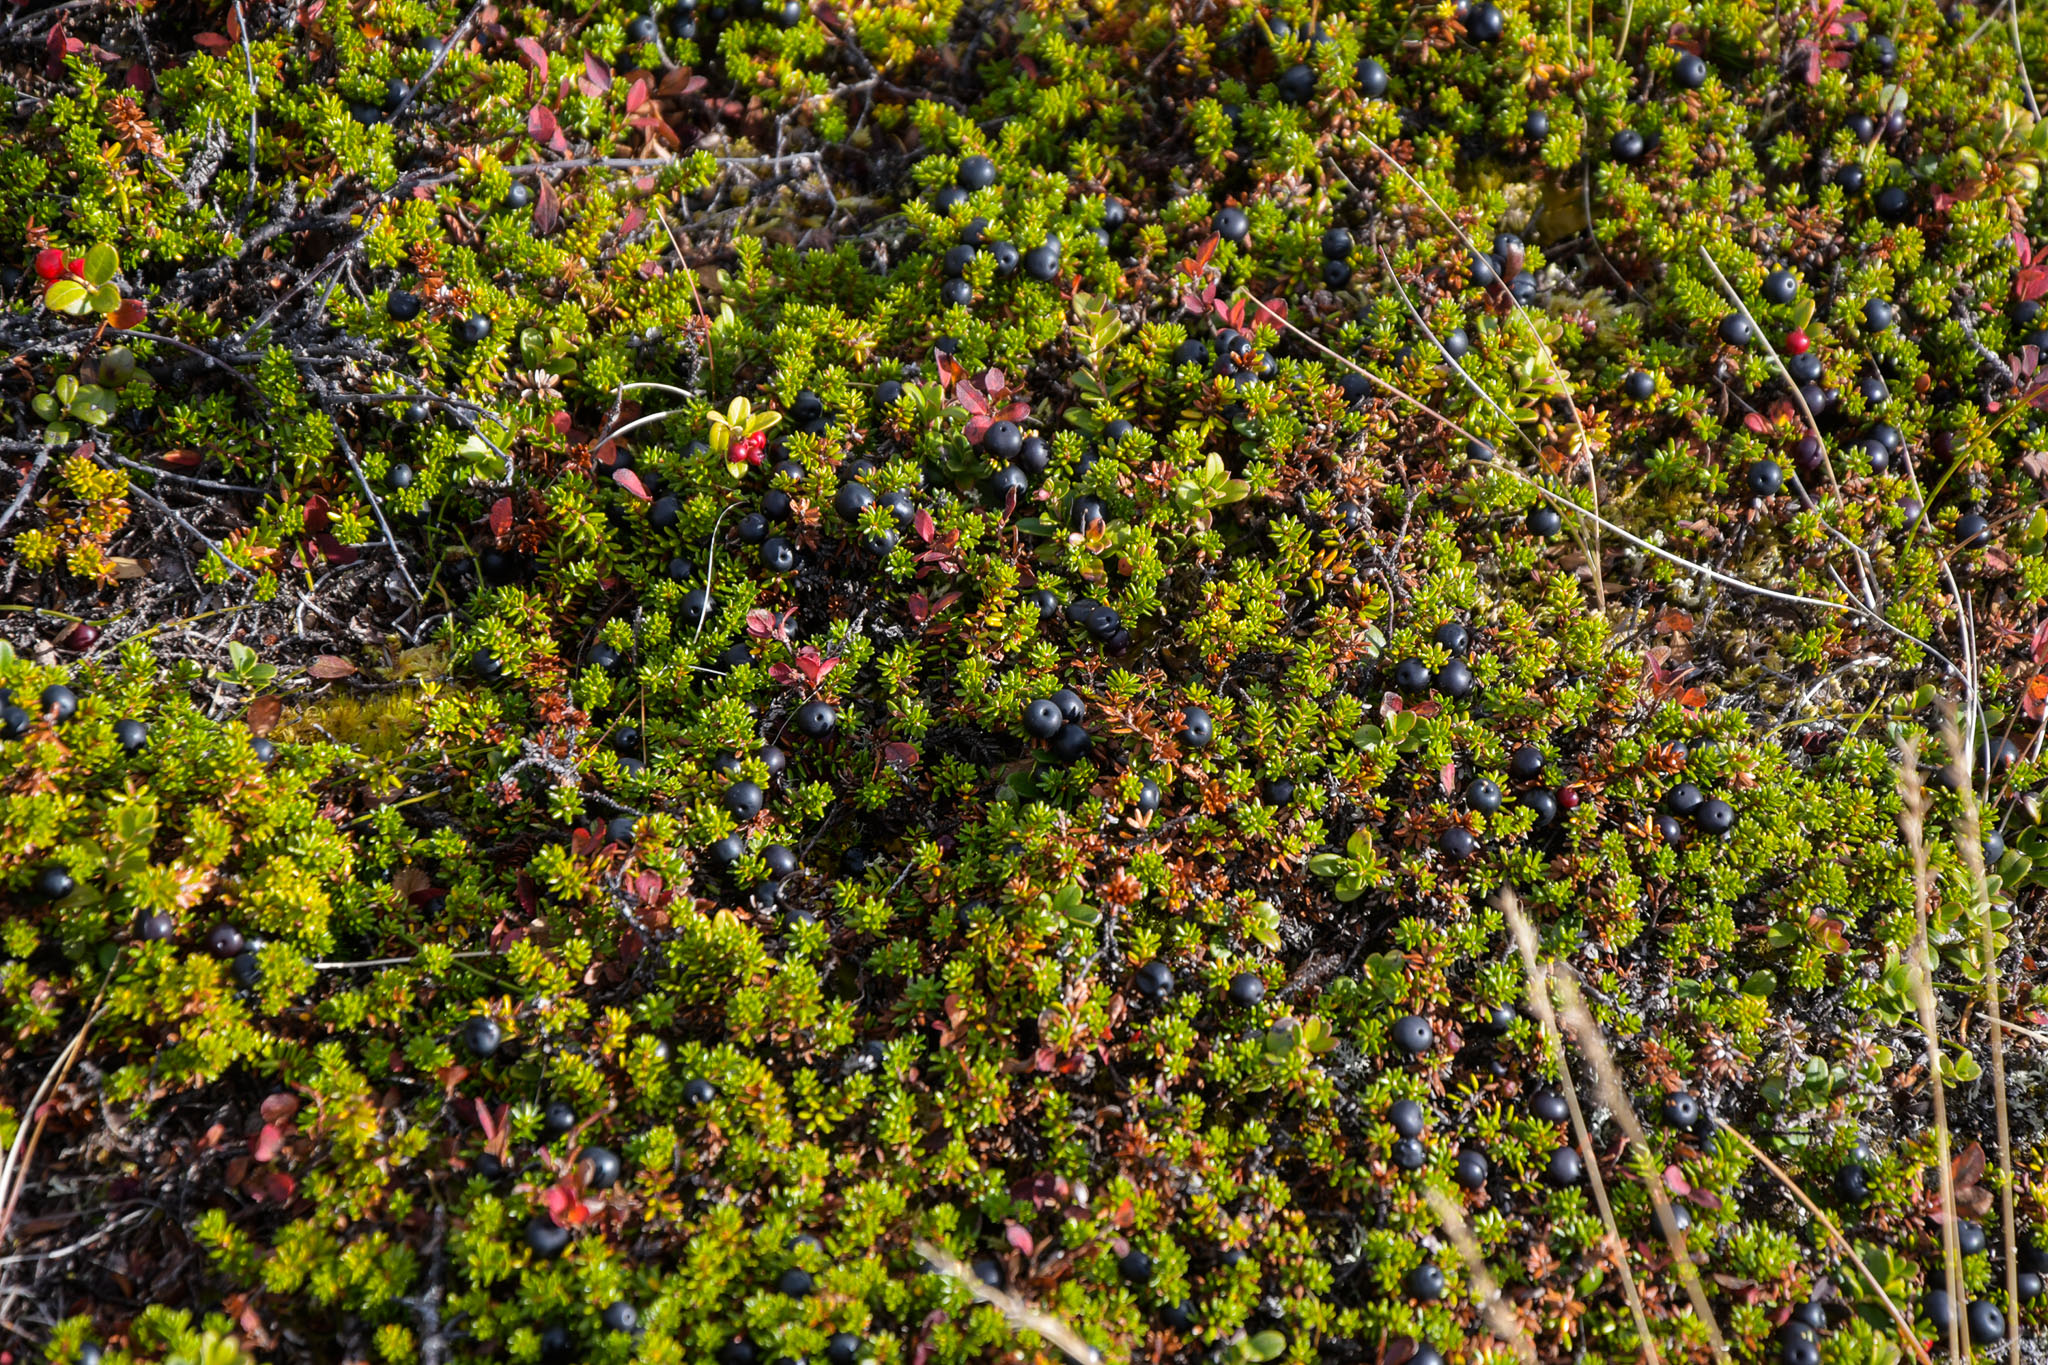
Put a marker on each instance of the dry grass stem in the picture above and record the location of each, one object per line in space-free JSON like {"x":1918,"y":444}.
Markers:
{"x":1539,"y":1000}
{"x":1485,"y":1292}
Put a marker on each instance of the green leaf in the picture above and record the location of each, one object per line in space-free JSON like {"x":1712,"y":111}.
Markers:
{"x":1760,"y":984}
{"x":1329,"y":864}
{"x":1265,"y":1346}
{"x":102,"y":263}
{"x":107,"y":298}
{"x":65,"y":296}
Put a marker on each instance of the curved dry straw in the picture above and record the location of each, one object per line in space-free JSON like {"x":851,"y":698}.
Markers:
{"x":1539,"y":1000}
{"x":1485,"y":1292}
{"x":1969,"y":836}
{"x":1022,"y":1316}
{"x":1920,"y":971}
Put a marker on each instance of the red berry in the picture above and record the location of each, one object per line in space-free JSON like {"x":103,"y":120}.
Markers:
{"x":1798,"y":343}
{"x":49,"y":263}
{"x":76,"y":267}
{"x":1568,"y":798}
{"x":83,"y":636}
{"x":749,"y":448}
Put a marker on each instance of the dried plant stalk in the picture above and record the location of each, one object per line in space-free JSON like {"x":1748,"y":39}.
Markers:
{"x":1841,"y":1244}
{"x":1608,"y":1087}
{"x":1920,"y":971}
{"x":1539,"y":1000}
{"x":1485,"y":1292}
{"x":1022,"y":1316}
{"x":1970,"y":836}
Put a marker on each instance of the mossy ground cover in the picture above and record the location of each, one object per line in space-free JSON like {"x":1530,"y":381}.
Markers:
{"x":883,"y":682}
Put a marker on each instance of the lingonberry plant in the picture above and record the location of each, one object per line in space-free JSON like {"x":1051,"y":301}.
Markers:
{"x":1179,"y":680}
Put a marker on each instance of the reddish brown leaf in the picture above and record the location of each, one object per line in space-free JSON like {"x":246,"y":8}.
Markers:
{"x":1019,"y":1238}
{"x":269,"y":1142}
{"x":501,"y":516}
{"x":597,"y":77}
{"x":329,"y":667}
{"x":547,"y":207}
{"x":534,"y":54}
{"x":264,"y":713}
{"x":628,"y":480}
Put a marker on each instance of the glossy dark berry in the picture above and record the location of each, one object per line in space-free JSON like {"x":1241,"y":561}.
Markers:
{"x":976,"y":173}
{"x":1972,"y":531}
{"x":1407,"y":1118}
{"x":1564,"y":1168}
{"x":1969,"y":1237}
{"x":474,"y":328}
{"x":1425,"y":1282}
{"x":1413,"y":1035}
{"x":1735,"y":330}
{"x":1135,"y":1267}
{"x":1454,"y":679}
{"x":1232,"y":225}
{"x":1689,"y":72}
{"x":1878,"y":315}
{"x":1154,"y":980}
{"x":1196,"y":729}
{"x":131,"y":735}
{"x":1042,"y":263}
{"x":1247,"y":988}
{"x":1042,"y":719}
{"x":1714,"y":816}
{"x":1852,"y":1186}
{"x":1536,"y":126}
{"x":1549,"y":1106}
{"x":1411,"y":677}
{"x":1297,"y":84}
{"x":53,"y":883}
{"x":1781,"y":287}
{"x":1457,"y":842}
{"x":1278,"y":791}
{"x":744,"y":799}
{"x":1409,"y":1154}
{"x":482,"y":1036}
{"x":1071,"y":743}
{"x":1483,"y":795}
{"x":1544,"y":522}
{"x":842,"y":1348}
{"x":1640,"y":386}
{"x":1526,"y":762}
{"x":620,"y":1317}
{"x":1543,"y":804}
{"x":1372,"y":78}
{"x":1764,"y":478}
{"x":1681,"y":1110}
{"x":816,"y":719}
{"x":1627,"y":146}
{"x":545,"y":1237}
{"x":59,"y":702}
{"x":1987,"y":1323}
{"x":1472,"y":1169}
{"x":795,"y":1282}
{"x":402,"y":305}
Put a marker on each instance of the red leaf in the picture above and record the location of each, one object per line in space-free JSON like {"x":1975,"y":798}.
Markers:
{"x":542,"y":128}
{"x":1675,"y":1181}
{"x":923,"y":524}
{"x":1019,"y":1238}
{"x":597,"y":77}
{"x":214,"y":43}
{"x":536,"y":56}
{"x":274,"y":1186}
{"x":547,"y":208}
{"x":131,"y":313}
{"x":630,"y":224}
{"x":636,"y":95}
{"x":1755,"y":422}
{"x":904,"y":755}
{"x":269,"y":1142}
{"x":501,"y":516}
{"x":329,"y":666}
{"x":628,"y":480}
{"x":279,"y":1108}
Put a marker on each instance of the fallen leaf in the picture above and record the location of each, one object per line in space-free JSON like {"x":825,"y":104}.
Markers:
{"x":330,"y":666}
{"x":264,"y":713}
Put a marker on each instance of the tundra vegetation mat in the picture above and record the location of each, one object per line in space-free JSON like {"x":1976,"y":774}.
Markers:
{"x":919,"y":683}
